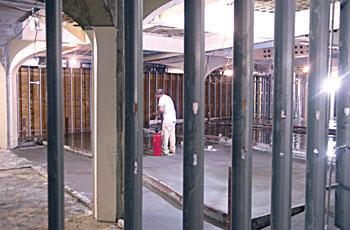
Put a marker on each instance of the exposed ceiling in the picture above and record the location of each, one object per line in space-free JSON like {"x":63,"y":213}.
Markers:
{"x":12,"y":14}
{"x":269,"y":5}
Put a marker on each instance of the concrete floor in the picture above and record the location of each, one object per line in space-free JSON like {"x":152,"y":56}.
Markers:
{"x":23,"y":196}
{"x":157,"y":213}
{"x":170,"y":171}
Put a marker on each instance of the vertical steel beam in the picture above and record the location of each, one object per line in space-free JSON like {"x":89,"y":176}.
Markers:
{"x":55,"y":114}
{"x":177,"y":96}
{"x":215,"y":92}
{"x":226,"y":98}
{"x":263,"y":102}
{"x":71,"y":99}
{"x":317,"y":128}
{"x":120,"y":106}
{"x":133,"y":114}
{"x":156,"y":101}
{"x":342,"y":203}
{"x":149,"y":97}
{"x":209,"y":95}
{"x":171,"y":85}
{"x":269,"y":98}
{"x":194,"y":107}
{"x":220,"y":96}
{"x":242,"y":110}
{"x":281,"y":195}
{"x":91,"y":98}
{"x":40,"y":104}
{"x":81,"y":98}
{"x":19,"y":106}
{"x":29,"y":105}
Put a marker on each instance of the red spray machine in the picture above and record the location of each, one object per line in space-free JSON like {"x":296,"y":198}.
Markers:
{"x":157,"y":143}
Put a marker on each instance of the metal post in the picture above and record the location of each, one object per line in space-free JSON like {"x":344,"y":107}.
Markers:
{"x":317,"y":129}
{"x":269,"y":98}
{"x":133,"y":114}
{"x":91,"y":98}
{"x":19,"y":106}
{"x":226,"y":98}
{"x":177,"y":96}
{"x":156,"y":101}
{"x":171,"y":85}
{"x":194,"y":107}
{"x":149,"y":97}
{"x":120,"y":106}
{"x":209,"y":105}
{"x":263,"y":101}
{"x":71,"y":99}
{"x":342,"y":201}
{"x":40,"y":104}
{"x":215,"y":92}
{"x":29,"y":105}
{"x":256,"y":96}
{"x":282,"y":155}
{"x":220,"y":102}
{"x":242,"y":104}
{"x":81,"y":98}
{"x":55,"y":114}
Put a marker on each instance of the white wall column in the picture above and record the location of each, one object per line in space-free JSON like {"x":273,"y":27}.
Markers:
{"x":3,"y":110}
{"x":104,"y":122}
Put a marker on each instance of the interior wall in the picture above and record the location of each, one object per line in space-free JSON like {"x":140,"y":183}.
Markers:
{"x":3,"y":109}
{"x":77,"y":85}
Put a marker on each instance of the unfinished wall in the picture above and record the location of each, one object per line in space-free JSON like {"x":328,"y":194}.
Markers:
{"x":32,"y":94}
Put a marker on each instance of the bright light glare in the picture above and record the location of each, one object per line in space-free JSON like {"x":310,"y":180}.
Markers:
{"x":73,"y":62}
{"x":331,"y":148}
{"x":306,"y":69}
{"x":228,"y":72}
{"x":331,"y":85}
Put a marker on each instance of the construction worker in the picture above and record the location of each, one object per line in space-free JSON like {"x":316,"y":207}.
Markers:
{"x":166,"y":108}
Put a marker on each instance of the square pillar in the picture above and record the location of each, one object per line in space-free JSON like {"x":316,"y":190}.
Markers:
{"x":104,"y":122}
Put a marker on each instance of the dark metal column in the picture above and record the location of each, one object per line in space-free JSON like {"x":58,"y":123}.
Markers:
{"x":242,"y":111}
{"x":209,"y":97}
{"x":40,"y":104}
{"x":120,"y":105}
{"x":281,"y":195}
{"x":133,"y":114}
{"x":55,"y":114}
{"x":194,"y":107}
{"x":29,"y":96}
{"x":342,"y":204}
{"x":317,"y":119}
{"x":148,"y":76}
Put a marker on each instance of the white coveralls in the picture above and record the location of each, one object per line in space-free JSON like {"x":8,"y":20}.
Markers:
{"x":169,"y":121}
